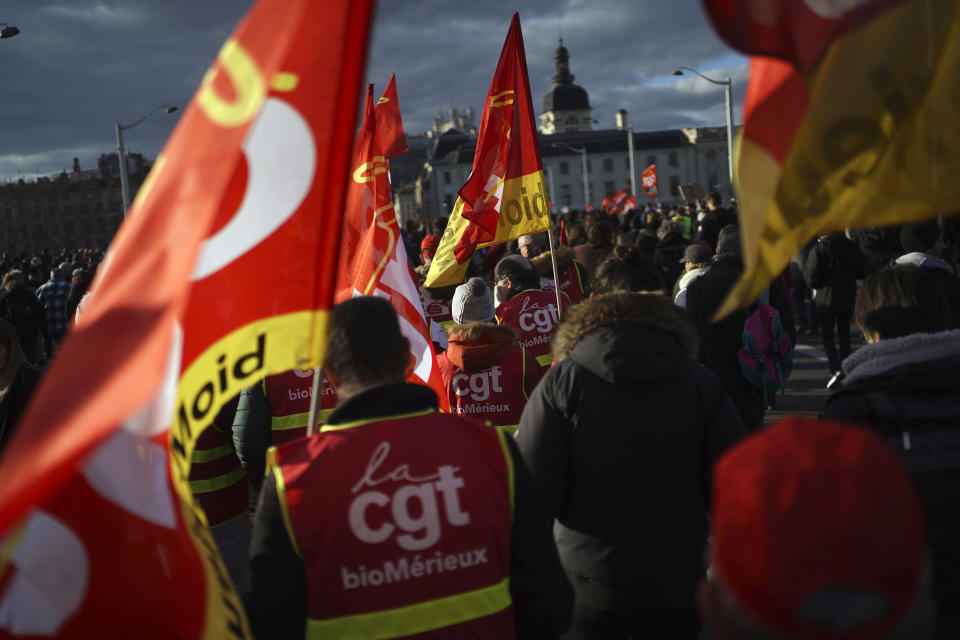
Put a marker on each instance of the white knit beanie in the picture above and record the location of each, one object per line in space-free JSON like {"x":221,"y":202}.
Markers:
{"x":472,"y":302}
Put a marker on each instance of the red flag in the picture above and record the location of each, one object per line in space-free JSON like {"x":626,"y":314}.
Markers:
{"x":629,"y":204}
{"x":616,"y":200}
{"x":563,"y":234}
{"x":605,"y":204}
{"x":389,"y":123}
{"x":648,"y":180}
{"x":504,"y":197}
{"x":588,"y":207}
{"x":373,"y":260}
{"x":225,"y":241}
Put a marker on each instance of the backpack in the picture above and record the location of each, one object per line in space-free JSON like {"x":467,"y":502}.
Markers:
{"x":766,"y":358}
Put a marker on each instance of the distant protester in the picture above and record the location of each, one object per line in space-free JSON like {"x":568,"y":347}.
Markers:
{"x":17,"y":382}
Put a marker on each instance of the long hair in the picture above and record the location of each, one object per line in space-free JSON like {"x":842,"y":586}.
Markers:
{"x":9,"y":340}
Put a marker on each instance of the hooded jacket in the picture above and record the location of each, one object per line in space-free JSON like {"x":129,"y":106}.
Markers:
{"x":908,"y":390}
{"x":473,"y":386}
{"x":620,"y":436}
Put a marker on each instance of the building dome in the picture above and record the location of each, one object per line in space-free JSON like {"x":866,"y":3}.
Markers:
{"x":564,"y":95}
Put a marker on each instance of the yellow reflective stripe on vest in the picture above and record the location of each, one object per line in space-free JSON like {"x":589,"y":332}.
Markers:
{"x":297,"y":420}
{"x":417,"y":618}
{"x":209,"y":455}
{"x":509,"y":429}
{"x":358,"y":423}
{"x":215,"y":484}
{"x":545,"y":360}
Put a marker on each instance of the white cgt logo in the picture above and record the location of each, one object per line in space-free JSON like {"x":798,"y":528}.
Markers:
{"x":831,"y":9}
{"x":282,"y":159}
{"x":375,"y":516}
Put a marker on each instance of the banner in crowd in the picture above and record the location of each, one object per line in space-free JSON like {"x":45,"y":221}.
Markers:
{"x":845,"y":124}
{"x":617,"y":200}
{"x":373,"y":260}
{"x":648,"y":181}
{"x":505,"y":196}
{"x":222,"y":273}
{"x":630,"y":204}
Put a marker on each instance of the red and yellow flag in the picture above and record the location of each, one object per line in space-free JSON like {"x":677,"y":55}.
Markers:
{"x":504,"y":197}
{"x":850,"y":124}
{"x":373,"y":260}
{"x":221,"y":274}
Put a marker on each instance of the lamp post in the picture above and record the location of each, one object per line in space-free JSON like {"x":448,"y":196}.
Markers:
{"x":728,"y":89}
{"x":6,"y":31}
{"x":124,"y":177}
{"x":583,"y":169}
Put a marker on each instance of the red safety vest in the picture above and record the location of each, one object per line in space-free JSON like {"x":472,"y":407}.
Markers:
{"x":570,"y":283}
{"x":398,"y":538}
{"x":533,"y":313}
{"x":288,"y":394}
{"x":496,"y":394}
{"x":216,"y":477}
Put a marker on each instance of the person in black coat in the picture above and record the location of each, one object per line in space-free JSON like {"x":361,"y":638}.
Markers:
{"x":620,"y":437}
{"x":905,"y":385}
{"x":832,"y":270}
{"x":17,"y":381}
{"x":669,"y":253}
{"x":716,"y":218}
{"x":721,"y":341}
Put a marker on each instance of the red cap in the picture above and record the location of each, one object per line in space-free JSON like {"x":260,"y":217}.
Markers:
{"x":805,"y":507}
{"x":429,"y":245}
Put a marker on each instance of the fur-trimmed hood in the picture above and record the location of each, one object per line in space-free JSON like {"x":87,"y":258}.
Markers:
{"x":475,"y":346}
{"x":880,"y":358}
{"x":543,"y":264}
{"x":626,"y":338}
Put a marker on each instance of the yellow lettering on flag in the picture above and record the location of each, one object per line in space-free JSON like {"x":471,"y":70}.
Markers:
{"x":523,"y":210}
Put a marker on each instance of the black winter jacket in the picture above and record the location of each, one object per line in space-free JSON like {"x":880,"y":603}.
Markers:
{"x":908,"y":390}
{"x":720,"y":342}
{"x":620,"y":437}
{"x":833,"y":268}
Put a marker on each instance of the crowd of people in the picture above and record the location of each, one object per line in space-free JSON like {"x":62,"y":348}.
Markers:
{"x":606,"y":469}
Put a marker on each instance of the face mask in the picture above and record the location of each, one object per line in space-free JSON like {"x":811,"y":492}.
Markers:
{"x":503,"y":292}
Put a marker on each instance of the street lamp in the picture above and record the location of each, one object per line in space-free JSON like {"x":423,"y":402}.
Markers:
{"x":583,"y":169}
{"x":7,"y":31}
{"x":728,"y":89}
{"x":124,"y":178}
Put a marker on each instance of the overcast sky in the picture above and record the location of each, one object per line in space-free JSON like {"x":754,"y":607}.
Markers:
{"x":78,"y":66}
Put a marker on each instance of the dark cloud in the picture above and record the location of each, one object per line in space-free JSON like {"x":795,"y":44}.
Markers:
{"x":79,"y":66}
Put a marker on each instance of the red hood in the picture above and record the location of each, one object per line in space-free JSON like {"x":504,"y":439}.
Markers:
{"x":479,"y":345}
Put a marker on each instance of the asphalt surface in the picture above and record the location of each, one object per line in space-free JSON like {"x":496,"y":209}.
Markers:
{"x":806,"y":391}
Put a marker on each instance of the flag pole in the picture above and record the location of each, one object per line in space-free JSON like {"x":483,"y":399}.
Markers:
{"x":314,"y":401}
{"x":556,"y":273}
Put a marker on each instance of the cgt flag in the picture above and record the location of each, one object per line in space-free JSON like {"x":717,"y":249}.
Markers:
{"x":845,"y":125}
{"x":221,"y":274}
{"x":648,"y":181}
{"x":617,"y":200}
{"x":373,"y":260}
{"x":504,"y":197}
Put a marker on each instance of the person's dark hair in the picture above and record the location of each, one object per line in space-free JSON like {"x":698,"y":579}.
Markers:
{"x":625,"y":270}
{"x":600,"y":233}
{"x":901,"y":300}
{"x":13,"y":278}
{"x":9,"y":340}
{"x":715,"y":198}
{"x":366,"y":346}
{"x":521,"y":272}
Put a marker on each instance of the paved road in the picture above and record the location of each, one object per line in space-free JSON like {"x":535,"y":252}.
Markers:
{"x":806,"y":391}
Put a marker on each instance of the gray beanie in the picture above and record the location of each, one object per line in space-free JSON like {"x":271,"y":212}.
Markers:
{"x":472,"y":302}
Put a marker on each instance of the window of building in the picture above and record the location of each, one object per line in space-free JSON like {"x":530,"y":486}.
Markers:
{"x":589,"y":166}
{"x":674,"y":159}
{"x":564,"y":168}
{"x":711,"y":154}
{"x":652,"y":159}
{"x":608,"y":164}
{"x":674,"y":185}
{"x":608,"y":188}
{"x":626,"y":163}
{"x":446,"y":177}
{"x":714,"y":183}
{"x":565,"y":198}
